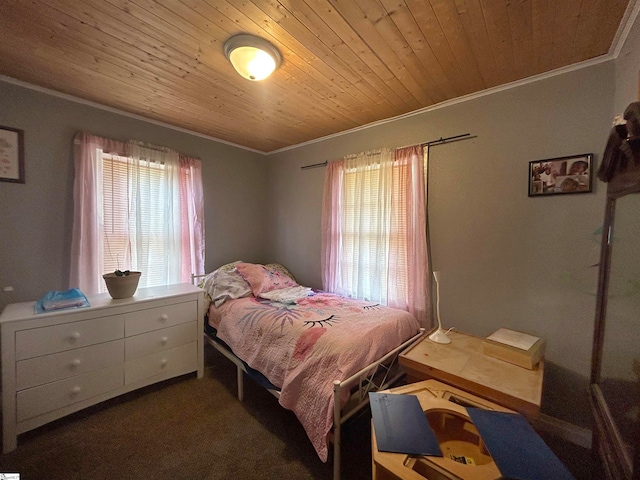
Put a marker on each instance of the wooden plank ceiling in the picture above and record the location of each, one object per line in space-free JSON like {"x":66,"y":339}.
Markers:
{"x":346,"y":63}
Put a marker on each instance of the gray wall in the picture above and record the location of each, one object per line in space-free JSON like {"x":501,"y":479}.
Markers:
{"x":506,"y":260}
{"x":628,"y":70}
{"x":36,"y":217}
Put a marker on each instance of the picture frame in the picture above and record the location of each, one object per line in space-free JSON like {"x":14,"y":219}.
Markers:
{"x":561,"y":175}
{"x":11,"y":155}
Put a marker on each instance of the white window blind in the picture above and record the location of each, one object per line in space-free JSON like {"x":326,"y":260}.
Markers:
{"x":372,"y":243}
{"x":127,"y":234}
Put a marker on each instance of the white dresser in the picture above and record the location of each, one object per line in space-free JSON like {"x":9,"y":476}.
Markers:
{"x":54,"y":364}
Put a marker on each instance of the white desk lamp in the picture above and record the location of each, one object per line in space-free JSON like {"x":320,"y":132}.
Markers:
{"x":439,"y":336}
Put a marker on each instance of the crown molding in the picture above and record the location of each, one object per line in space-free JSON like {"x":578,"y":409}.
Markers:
{"x":620,"y":38}
{"x":117,"y":111}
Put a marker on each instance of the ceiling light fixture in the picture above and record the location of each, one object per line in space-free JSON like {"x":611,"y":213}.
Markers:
{"x":253,"y":57}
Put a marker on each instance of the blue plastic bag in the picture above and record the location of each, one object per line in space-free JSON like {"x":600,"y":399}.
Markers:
{"x":55,"y":300}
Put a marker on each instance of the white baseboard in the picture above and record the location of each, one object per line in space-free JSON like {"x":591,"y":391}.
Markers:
{"x":568,"y":431}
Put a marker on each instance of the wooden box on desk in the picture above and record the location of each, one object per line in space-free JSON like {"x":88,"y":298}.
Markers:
{"x":528,"y":359}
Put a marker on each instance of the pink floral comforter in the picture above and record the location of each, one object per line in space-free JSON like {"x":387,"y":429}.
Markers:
{"x":304,"y":346}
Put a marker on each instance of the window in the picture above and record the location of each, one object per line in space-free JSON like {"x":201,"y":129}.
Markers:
{"x":124,"y":228}
{"x":374,"y":229}
{"x":136,"y":207}
{"x":369,"y":235}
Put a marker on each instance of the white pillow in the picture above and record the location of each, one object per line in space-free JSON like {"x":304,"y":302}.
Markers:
{"x":225,"y":283}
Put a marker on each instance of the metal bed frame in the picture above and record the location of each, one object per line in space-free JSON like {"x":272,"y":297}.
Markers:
{"x":379,"y":375}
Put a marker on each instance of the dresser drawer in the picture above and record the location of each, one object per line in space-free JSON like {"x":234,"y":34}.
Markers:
{"x":49,"y":368}
{"x":173,"y":362}
{"x":52,"y":396}
{"x":160,"y":317}
{"x":58,"y":338}
{"x":159,"y":340}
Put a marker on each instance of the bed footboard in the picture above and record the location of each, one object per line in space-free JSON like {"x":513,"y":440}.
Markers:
{"x":379,"y":375}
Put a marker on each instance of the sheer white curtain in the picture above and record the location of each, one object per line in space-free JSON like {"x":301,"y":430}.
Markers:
{"x":136,"y":207}
{"x":153,"y":216}
{"x":374,"y":229}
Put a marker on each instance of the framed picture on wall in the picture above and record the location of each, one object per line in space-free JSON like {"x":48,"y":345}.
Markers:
{"x":11,"y":155}
{"x":562,"y":175}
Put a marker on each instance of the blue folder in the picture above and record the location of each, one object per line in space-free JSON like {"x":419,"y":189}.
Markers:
{"x":518,"y":451}
{"x":401,"y":426}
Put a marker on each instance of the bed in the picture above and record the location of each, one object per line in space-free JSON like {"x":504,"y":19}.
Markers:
{"x":320,"y":354}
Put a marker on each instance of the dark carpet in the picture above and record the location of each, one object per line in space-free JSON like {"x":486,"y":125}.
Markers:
{"x":187,"y":428}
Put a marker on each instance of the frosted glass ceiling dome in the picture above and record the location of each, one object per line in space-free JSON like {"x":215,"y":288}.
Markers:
{"x":253,"y":57}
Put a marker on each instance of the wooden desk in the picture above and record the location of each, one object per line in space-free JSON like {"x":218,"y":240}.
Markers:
{"x":462,"y":364}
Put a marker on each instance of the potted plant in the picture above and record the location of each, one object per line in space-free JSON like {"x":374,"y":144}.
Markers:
{"x":122,"y":284}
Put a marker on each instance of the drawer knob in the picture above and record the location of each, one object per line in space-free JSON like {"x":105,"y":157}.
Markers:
{"x":75,"y":335}
{"x":164,"y":317}
{"x":76,"y":390}
{"x":76,"y":362}
{"x":164,"y":340}
{"x":163,"y":362}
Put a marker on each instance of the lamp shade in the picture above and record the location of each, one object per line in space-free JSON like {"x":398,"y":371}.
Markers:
{"x":253,"y":57}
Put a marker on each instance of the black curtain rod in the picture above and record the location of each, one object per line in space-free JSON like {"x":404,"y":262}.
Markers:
{"x":426,"y":144}
{"x":315,"y":165}
{"x":445,"y":140}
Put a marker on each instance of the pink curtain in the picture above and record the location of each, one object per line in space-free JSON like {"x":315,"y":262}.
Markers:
{"x":400,"y":249}
{"x":414,"y":262}
{"x":192,"y":215}
{"x":87,"y":230}
{"x":331,"y":225}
